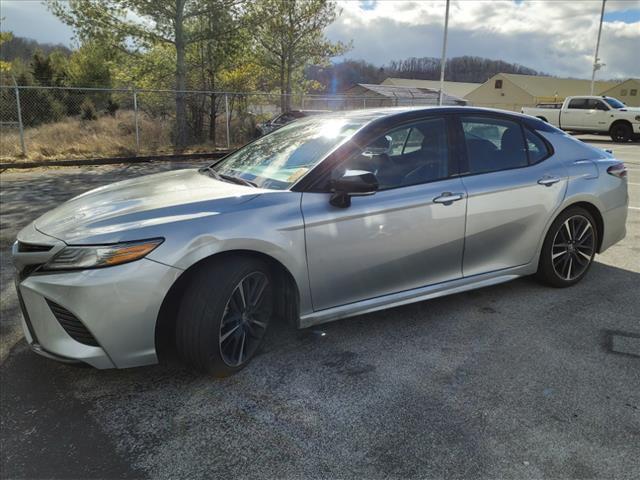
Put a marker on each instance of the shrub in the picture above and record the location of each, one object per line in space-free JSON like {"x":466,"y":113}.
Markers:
{"x":112,"y":107}
{"x":39,"y":107}
{"x":88,"y":110}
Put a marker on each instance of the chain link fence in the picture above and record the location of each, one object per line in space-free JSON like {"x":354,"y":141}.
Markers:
{"x":40,"y":123}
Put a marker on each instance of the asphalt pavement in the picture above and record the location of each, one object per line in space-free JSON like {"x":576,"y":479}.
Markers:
{"x":511,"y":381}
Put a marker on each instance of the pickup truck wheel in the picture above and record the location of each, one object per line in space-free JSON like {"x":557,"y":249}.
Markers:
{"x":621,"y":132}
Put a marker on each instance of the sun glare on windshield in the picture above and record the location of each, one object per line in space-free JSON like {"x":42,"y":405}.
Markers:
{"x":332,"y":128}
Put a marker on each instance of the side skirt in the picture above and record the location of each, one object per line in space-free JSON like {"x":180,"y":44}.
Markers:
{"x":416,"y":295}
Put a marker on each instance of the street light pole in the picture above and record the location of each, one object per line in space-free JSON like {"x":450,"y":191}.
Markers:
{"x":596,"y":63}
{"x":444,"y":53}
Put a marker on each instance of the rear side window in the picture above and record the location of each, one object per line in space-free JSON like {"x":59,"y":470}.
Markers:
{"x":578,"y":103}
{"x":536,"y":147}
{"x":493,"y":144}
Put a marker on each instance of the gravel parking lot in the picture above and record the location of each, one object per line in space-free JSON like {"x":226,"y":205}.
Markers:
{"x":512,"y":381}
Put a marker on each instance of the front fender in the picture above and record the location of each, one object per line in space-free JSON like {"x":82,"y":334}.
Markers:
{"x":273,"y":226}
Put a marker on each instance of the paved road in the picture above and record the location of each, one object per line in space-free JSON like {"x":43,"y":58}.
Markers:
{"x":512,"y":381}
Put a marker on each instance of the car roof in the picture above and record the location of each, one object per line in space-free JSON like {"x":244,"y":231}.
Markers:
{"x":391,"y":114}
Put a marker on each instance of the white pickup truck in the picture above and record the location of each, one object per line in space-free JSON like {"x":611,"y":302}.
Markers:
{"x":591,"y":114}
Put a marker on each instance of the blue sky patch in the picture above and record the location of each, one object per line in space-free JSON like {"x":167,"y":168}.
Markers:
{"x":368,"y":4}
{"x":627,"y":16}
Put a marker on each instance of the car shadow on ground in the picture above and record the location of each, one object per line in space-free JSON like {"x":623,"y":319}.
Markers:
{"x":398,"y":392}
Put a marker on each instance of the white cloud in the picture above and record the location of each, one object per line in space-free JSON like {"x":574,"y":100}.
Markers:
{"x":556,"y":37}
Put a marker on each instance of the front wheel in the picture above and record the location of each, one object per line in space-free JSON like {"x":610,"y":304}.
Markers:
{"x":568,"y":249}
{"x":224,"y":315}
{"x":621,"y":132}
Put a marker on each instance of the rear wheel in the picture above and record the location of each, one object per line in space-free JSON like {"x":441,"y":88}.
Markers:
{"x":224,"y":315}
{"x":568,"y":249}
{"x":621,"y":132}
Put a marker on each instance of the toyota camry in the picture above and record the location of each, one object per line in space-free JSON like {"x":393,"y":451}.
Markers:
{"x":328,"y":217}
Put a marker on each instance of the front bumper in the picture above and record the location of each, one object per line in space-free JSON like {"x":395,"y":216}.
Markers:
{"x":118,"y":305}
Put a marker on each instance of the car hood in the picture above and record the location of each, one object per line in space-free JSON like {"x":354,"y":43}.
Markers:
{"x":118,"y":212}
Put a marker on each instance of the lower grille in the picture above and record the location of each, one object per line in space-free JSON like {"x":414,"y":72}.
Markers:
{"x":74,"y":327}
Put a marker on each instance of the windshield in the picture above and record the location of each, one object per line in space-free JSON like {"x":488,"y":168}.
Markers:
{"x":614,"y":102}
{"x":278,"y":160}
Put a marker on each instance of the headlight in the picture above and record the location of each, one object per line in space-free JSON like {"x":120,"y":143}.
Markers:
{"x":97,"y":256}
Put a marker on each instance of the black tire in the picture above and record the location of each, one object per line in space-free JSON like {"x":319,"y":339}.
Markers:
{"x":568,"y":244}
{"x":209,"y":311}
{"x":621,"y":132}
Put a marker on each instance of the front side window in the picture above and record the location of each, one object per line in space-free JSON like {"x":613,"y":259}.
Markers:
{"x":414,"y":141}
{"x":398,"y":141}
{"x":423,"y":156}
{"x":593,"y":104}
{"x":493,"y":144}
{"x":278,"y":160}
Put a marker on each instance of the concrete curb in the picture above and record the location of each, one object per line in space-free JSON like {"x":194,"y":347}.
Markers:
{"x":114,"y":160}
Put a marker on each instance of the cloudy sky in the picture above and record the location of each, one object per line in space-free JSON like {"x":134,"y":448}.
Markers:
{"x":554,"y":36}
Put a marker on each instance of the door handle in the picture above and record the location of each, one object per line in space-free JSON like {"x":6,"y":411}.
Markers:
{"x":547,"y":180}
{"x":448,"y":198}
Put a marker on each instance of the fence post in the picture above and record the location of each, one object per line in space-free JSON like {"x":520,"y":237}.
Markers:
{"x":135,"y":119}
{"x":302,"y":102}
{"x":19,"y":112}
{"x":364,"y":102}
{"x":228,"y":120}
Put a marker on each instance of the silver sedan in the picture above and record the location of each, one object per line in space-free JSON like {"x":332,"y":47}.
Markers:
{"x":328,"y":217}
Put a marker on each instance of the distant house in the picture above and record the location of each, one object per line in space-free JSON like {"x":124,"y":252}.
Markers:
{"x":365,"y":95}
{"x":509,"y":91}
{"x":456,"y":89}
{"x":628,"y":92}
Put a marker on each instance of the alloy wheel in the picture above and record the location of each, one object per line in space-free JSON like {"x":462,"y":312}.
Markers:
{"x":573,"y":247}
{"x":245,"y":319}
{"x":620,"y":133}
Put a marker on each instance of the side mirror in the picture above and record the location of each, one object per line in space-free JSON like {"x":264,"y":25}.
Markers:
{"x":353,"y":183}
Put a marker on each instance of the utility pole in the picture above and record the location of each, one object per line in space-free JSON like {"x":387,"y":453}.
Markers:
{"x":596,"y":61}
{"x":444,"y":53}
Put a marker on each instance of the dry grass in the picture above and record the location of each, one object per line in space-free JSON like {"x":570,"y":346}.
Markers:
{"x":107,"y":136}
